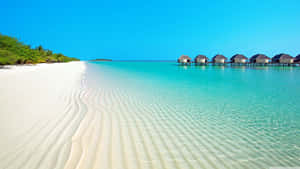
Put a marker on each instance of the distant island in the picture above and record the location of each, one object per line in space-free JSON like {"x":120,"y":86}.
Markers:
{"x":13,"y":52}
{"x":102,"y":60}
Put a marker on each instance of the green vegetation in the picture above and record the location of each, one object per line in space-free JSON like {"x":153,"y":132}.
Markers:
{"x":14,"y":52}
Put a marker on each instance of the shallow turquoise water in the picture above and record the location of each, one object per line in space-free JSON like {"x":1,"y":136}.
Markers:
{"x":206,"y":116}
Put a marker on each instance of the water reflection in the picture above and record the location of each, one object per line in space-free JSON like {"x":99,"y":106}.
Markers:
{"x":240,"y":67}
{"x":221,"y":67}
{"x":201,"y":67}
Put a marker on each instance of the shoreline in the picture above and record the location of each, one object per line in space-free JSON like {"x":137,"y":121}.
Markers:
{"x":37,"y":64}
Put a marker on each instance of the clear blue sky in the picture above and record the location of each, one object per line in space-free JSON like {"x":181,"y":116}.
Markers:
{"x":156,"y":29}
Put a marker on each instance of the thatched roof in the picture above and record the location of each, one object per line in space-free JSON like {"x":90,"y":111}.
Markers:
{"x":256,"y":57}
{"x":200,"y":57}
{"x":219,"y":57}
{"x":259,"y":56}
{"x":281,"y":56}
{"x":182,"y":57}
{"x":238,"y":56}
{"x":297,"y":59}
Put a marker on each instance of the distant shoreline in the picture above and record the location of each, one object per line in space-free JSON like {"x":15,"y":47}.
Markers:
{"x":101,"y":60}
{"x":134,"y":60}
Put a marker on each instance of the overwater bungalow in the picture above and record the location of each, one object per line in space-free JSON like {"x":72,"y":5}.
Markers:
{"x":219,"y":59}
{"x":260,"y":59}
{"x":297,"y":59}
{"x":283,"y":59}
{"x":184,"y":59}
{"x":239,"y":59}
{"x":201,"y":59}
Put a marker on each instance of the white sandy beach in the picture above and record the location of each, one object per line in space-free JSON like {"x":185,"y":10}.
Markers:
{"x":39,"y":114}
{"x":50,"y":119}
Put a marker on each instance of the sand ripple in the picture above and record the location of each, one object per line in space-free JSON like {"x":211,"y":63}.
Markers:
{"x":109,"y":127}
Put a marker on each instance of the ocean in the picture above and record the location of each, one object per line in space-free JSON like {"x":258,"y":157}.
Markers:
{"x":162,"y":115}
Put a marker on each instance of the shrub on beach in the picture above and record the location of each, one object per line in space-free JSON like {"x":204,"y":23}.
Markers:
{"x":7,"y":57}
{"x":14,"y":52}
